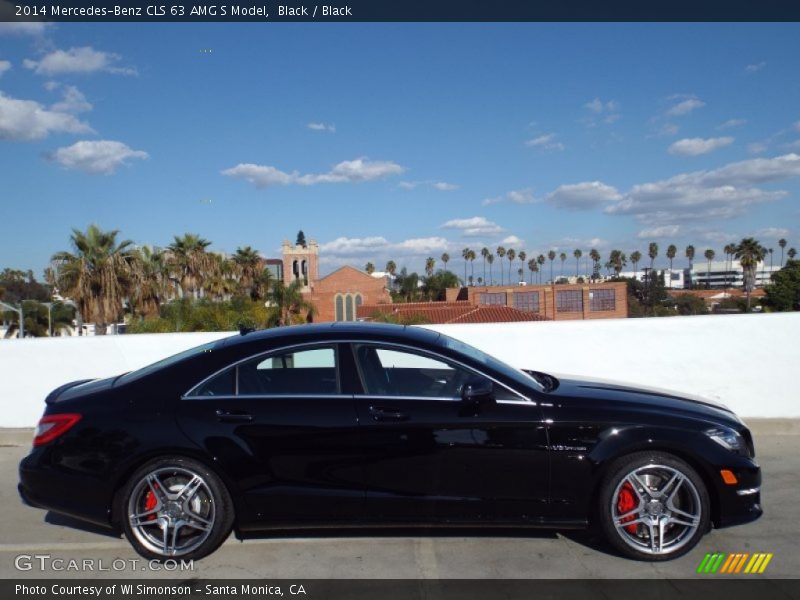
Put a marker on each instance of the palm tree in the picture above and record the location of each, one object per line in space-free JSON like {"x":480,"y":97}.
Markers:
{"x":540,"y":260}
{"x":490,"y":260}
{"x":465,"y":255}
{"x":616,"y":261}
{"x":248,"y":266}
{"x":484,"y":254}
{"x":595,"y":256}
{"x":577,"y":254}
{"x":219,"y":281}
{"x":291,"y":305}
{"x":445,"y":260}
{"x":709,"y":254}
{"x":729,"y":249}
{"x":770,"y":259}
{"x":652,"y":252}
{"x":189,"y":262}
{"x":521,"y":257}
{"x":782,"y":244}
{"x":510,"y":255}
{"x":690,"y":256}
{"x":501,"y":253}
{"x":636,"y":256}
{"x":750,"y":253}
{"x":672,"y":250}
{"x":151,"y":281}
{"x":391,"y":268}
{"x":430,"y":265}
{"x":552,"y":256}
{"x":97,"y":275}
{"x":791,"y":253}
{"x":369,"y":268}
{"x":532,"y":267}
{"x":562,"y":257}
{"x":472,"y":256}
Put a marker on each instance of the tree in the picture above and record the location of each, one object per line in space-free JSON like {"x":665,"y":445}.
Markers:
{"x":782,"y":244}
{"x":783,"y":294}
{"x":430,"y":265}
{"x":435,"y":286}
{"x":490,"y":260}
{"x":391,"y":268}
{"x":636,"y":256}
{"x":552,"y":256}
{"x":369,"y":268}
{"x":617,"y":261}
{"x":709,"y":254}
{"x":690,"y":255}
{"x":729,"y":249}
{"x":652,"y":252}
{"x":689,"y":304}
{"x":484,"y":254}
{"x":151,"y":283}
{"x":791,"y":253}
{"x":290,"y":304}
{"x":501,"y":253}
{"x":595,"y":256}
{"x":445,"y":260}
{"x":97,"y":275}
{"x":540,"y":260}
{"x":301,"y":239}
{"x":465,"y":254}
{"x":521,"y":257}
{"x":248,"y":266}
{"x":189,"y":262}
{"x":562,"y":257}
{"x":749,"y":252}
{"x":577,"y":254}
{"x":471,"y":259}
{"x":532,"y":267}
{"x":510,"y":255}
{"x":671,"y":252}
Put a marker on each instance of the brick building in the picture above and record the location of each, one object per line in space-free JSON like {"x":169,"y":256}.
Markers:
{"x":607,"y":300}
{"x":447,"y":312}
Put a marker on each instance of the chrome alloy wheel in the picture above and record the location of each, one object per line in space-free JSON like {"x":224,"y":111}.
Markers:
{"x":171,"y":511}
{"x":656,"y":509}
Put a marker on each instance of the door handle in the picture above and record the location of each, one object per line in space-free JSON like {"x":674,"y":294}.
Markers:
{"x":387,"y":414}
{"x":233,"y":416}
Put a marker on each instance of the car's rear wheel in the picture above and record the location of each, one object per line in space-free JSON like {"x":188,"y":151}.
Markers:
{"x":653,"y":506}
{"x":175,"y":507}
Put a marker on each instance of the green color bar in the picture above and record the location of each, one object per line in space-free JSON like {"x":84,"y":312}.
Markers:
{"x":702,"y":566}
{"x":718,"y":563}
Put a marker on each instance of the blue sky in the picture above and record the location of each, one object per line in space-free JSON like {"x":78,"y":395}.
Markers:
{"x":400,"y":141}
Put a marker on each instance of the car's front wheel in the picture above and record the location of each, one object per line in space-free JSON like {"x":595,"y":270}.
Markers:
{"x":653,"y":506}
{"x":175,"y":507}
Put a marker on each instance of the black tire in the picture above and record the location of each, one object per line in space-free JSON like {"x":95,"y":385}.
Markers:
{"x":635,"y":541}
{"x":211,"y":499}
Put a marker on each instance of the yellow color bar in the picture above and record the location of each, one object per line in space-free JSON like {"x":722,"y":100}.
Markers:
{"x":765,"y":563}
{"x":752,"y":562}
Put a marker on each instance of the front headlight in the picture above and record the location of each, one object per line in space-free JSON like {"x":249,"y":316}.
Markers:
{"x":728,"y":438}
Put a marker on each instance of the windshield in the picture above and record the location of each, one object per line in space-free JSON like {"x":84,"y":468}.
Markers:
{"x":490,"y":361}
{"x":166,"y":362}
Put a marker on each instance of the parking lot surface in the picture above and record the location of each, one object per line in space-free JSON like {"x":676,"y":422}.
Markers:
{"x":30,"y":532}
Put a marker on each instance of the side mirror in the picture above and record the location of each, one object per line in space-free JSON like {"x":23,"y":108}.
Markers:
{"x":478,"y":391}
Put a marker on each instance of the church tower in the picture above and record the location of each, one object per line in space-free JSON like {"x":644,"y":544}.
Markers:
{"x":301,"y":263}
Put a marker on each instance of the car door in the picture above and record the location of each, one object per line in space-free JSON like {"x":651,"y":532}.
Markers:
{"x":281,"y":427}
{"x":429,"y":456}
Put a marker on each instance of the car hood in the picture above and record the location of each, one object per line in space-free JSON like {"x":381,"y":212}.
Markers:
{"x":614,"y":391}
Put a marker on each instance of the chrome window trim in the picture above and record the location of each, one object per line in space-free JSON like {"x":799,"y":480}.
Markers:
{"x":235,"y":365}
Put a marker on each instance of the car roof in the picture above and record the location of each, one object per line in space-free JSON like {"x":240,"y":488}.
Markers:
{"x":336,"y":330}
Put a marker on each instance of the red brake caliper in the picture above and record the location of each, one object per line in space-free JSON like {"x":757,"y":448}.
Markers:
{"x":626,"y":502}
{"x":150,"y":503}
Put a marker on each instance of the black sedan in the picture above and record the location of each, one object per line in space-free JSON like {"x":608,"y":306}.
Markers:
{"x":366,"y":425}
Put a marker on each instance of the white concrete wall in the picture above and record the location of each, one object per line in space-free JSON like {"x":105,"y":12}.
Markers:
{"x":749,"y":362}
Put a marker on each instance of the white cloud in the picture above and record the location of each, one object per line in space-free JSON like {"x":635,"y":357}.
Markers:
{"x":73,"y":100}
{"x":82,"y":60}
{"x":521,"y":196}
{"x":345,"y":245}
{"x":731,"y":123}
{"x":602,"y":112}
{"x":513,"y":240}
{"x":349,"y":171}
{"x":4,"y":66}
{"x":33,"y":28}
{"x":421,"y":245}
{"x":345,"y":250}
{"x":755,"y":67}
{"x":98,"y":157}
{"x":473,"y":226}
{"x":659,"y":232}
{"x":441,"y":186}
{"x":796,"y":126}
{"x":720,"y":193}
{"x":685,"y":105}
{"x":771,"y":233}
{"x":547,"y":141}
{"x":698,"y":146}
{"x":581,"y":196}
{"x":27,"y":120}
{"x":327,"y":127}
{"x":597,"y":106}
{"x":757,"y":148}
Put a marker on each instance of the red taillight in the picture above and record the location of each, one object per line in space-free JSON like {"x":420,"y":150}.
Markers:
{"x":52,"y":426}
